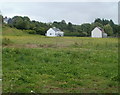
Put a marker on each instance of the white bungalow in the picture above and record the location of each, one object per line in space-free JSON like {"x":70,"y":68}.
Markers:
{"x":54,"y":32}
{"x":98,"y":33}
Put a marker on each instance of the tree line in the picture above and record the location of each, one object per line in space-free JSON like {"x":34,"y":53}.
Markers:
{"x":36,"y":27}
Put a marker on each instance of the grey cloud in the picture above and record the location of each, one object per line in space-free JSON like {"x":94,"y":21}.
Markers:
{"x":75,"y":12}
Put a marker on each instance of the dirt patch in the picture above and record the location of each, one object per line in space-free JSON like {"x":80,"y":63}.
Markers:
{"x":34,"y":46}
{"x":31,"y":45}
{"x":13,"y":46}
{"x":40,"y":46}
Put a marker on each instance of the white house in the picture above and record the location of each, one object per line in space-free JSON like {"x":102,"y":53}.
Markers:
{"x":98,"y":33}
{"x":54,"y":32}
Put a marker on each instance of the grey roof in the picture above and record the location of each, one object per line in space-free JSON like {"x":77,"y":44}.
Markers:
{"x":101,"y":29}
{"x":56,"y":29}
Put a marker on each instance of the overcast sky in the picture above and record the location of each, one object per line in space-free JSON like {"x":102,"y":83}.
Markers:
{"x":75,"y":12}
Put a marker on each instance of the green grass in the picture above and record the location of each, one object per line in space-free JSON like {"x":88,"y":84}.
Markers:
{"x":60,"y":65}
{"x":12,"y":31}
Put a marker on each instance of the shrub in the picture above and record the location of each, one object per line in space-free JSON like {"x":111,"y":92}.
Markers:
{"x":72,"y":34}
{"x":30,"y":31}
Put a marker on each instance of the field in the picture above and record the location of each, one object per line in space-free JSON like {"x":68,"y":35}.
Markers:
{"x":38,"y":64}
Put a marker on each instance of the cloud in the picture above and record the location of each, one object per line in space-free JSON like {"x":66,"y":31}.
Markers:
{"x":75,"y":12}
{"x":59,"y":1}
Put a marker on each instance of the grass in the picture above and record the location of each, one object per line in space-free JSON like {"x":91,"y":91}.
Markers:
{"x":12,"y":31}
{"x":60,"y":65}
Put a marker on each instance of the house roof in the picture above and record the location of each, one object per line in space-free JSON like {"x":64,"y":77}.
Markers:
{"x":101,"y":29}
{"x":56,"y":29}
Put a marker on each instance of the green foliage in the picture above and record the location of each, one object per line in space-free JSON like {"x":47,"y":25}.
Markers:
{"x":98,"y":20}
{"x":20,"y":22}
{"x":105,"y":22}
{"x":70,"y":26}
{"x":32,"y":27}
{"x":86,"y":29}
{"x":71,"y":34}
{"x":41,"y":30}
{"x":96,"y":24}
{"x":30,"y":31}
{"x":108,"y":29}
{"x":116,"y":30}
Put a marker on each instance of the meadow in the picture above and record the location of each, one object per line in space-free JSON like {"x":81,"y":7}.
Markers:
{"x":39,"y":64}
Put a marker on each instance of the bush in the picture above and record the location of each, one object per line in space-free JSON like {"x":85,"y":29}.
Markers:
{"x":72,"y":34}
{"x":30,"y":31}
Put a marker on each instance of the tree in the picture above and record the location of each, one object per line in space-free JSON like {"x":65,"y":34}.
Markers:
{"x":96,"y":24}
{"x":41,"y":30}
{"x":26,"y":23}
{"x":116,"y":30}
{"x":98,"y":20}
{"x":32,"y":25}
{"x":63,"y":22}
{"x":86,"y":29}
{"x":63,"y":25}
{"x":111,"y":23}
{"x":105,"y":22}
{"x":20,"y":22}
{"x":70,"y":26}
{"x":108,"y":29}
